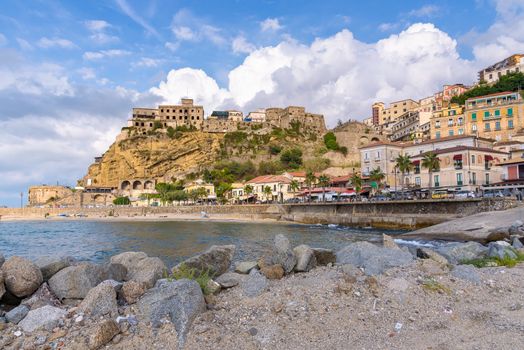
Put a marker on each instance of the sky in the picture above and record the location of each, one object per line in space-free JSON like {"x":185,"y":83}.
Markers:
{"x":70,"y":71}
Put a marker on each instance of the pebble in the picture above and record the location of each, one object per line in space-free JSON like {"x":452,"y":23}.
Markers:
{"x":40,"y":340}
{"x":79,"y":319}
{"x":253,"y":331}
{"x":17,"y":333}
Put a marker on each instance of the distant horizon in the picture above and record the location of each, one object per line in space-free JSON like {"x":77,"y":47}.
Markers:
{"x":72,"y":71}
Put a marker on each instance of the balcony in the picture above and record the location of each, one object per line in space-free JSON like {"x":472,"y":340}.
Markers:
{"x":460,"y":183}
{"x":437,"y":184}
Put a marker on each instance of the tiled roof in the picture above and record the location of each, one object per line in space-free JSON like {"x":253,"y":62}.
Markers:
{"x":458,"y":149}
{"x":269,"y":179}
{"x":492,"y":95}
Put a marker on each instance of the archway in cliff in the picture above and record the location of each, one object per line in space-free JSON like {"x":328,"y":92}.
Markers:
{"x":364,"y":140}
{"x":137,"y":185}
{"x":99,"y":199}
{"x":126,"y":185}
{"x":148,"y":185}
{"x":375,"y":139}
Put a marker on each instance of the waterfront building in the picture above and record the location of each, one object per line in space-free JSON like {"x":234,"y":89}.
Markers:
{"x":448,"y":121}
{"x":514,"y":148}
{"x":512,"y":175}
{"x":498,"y":116}
{"x":278,"y":184}
{"x":512,"y":64}
{"x":41,"y":195}
{"x":209,"y":188}
{"x":380,"y":155}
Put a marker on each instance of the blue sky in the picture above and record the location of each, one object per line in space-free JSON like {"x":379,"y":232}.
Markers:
{"x":70,"y":71}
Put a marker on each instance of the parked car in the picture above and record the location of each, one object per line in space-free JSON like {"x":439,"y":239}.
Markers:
{"x":465,"y":194}
{"x":493,"y":194}
{"x":440,"y":195}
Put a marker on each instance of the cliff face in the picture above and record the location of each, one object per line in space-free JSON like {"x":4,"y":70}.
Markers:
{"x":153,"y":157}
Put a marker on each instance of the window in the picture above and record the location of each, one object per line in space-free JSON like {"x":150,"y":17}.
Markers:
{"x":486,"y":114}
{"x":460,"y":121}
{"x":366,"y":156}
{"x":378,"y":155}
{"x":437,"y":135}
{"x":461,"y":131}
{"x":437,"y":124}
{"x":417,"y":181}
{"x":510,"y":124}
{"x":167,"y":110}
{"x":459,"y":179}
{"x":487,"y":178}
{"x":497,"y":125}
{"x":450,"y":132}
{"x":472,"y":159}
{"x":510,"y":112}
{"x":436,"y":180}
{"x":473,"y":116}
{"x":497,"y":112}
{"x":450,"y":122}
{"x":487,"y":127}
{"x":474,"y":178}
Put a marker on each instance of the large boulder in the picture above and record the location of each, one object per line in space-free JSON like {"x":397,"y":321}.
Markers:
{"x":501,"y":250}
{"x":273,"y":272}
{"x":306,"y":259}
{"x":74,"y":282}
{"x":215,"y":260}
{"x":140,"y":267}
{"x":324,"y":256}
{"x":42,"y":297}
{"x":46,"y":317}
{"x":49,"y":265}
{"x":132,"y":291}
{"x":100,"y":301}
{"x":373,"y":259}
{"x":245,"y":266}
{"x":181,"y":301}
{"x":425,"y":253}
{"x":230,"y":279}
{"x":21,"y":276}
{"x":282,"y":255}
{"x":101,"y":333}
{"x":255,"y":284}
{"x":457,"y":252}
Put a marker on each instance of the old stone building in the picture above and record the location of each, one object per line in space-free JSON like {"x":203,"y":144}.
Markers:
{"x":285,"y":117}
{"x":40,"y":195}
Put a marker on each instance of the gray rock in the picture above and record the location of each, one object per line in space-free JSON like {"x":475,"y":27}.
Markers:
{"x":50,"y":265}
{"x":100,"y":301}
{"x":117,"y":286}
{"x":46,"y":317}
{"x":457,"y":252}
{"x":245,"y":266}
{"x":74,"y":282}
{"x":17,"y":314}
{"x":21,"y":276}
{"x":230,"y":279}
{"x":215,"y":260}
{"x":517,"y":243}
{"x":43,"y":296}
{"x":282,"y":254}
{"x":132,"y":291}
{"x":101,"y":333}
{"x":467,"y":273}
{"x":373,"y":259}
{"x":114,"y":271}
{"x":306,"y":259}
{"x":425,"y":253}
{"x":140,"y":267}
{"x":2,"y":286}
{"x":181,"y":301}
{"x":255,"y":284}
{"x":324,"y":256}
{"x":514,"y":229}
{"x":497,"y":234}
{"x":501,"y":250}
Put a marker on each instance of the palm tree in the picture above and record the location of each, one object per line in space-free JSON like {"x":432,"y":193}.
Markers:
{"x":323,"y":181}
{"x":310,"y":180}
{"x":267,"y":192}
{"x":377,"y":175}
{"x":248,"y":189}
{"x":356,"y":182}
{"x":294,"y":186}
{"x":432,"y":163}
{"x":404,"y":165}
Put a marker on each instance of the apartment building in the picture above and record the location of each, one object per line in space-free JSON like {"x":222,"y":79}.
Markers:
{"x":382,"y":115}
{"x":448,"y":121}
{"x":512,"y":64}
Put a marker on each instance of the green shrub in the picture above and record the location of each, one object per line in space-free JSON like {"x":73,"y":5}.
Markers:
{"x":496,"y":261}
{"x":275,"y":149}
{"x":121,"y":201}
{"x":291,"y":158}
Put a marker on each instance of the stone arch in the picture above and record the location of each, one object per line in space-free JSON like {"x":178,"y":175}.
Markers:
{"x":375,"y":139}
{"x":126,"y":185}
{"x":148,"y":185}
{"x":99,"y":198}
{"x":364,"y":140}
{"x":137,"y":185}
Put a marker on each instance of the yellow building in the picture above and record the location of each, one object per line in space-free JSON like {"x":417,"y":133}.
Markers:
{"x":497,"y":116}
{"x":448,"y":121}
{"x":382,"y":115}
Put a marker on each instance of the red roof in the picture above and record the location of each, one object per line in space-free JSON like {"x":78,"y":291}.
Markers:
{"x":491,"y":95}
{"x":263,"y":179}
{"x":344,"y":178}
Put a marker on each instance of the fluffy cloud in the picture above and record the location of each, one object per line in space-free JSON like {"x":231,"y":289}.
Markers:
{"x":339,"y":76}
{"x":96,"y":55}
{"x":425,"y":11}
{"x":148,"y":62}
{"x":241,"y":45}
{"x":47,"y":43}
{"x":270,"y":24}
{"x":98,"y":29}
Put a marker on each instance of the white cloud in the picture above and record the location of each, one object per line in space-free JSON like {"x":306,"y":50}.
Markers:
{"x":87,"y":73}
{"x":172,"y":46}
{"x":24,"y":44}
{"x":96,"y":55}
{"x":425,"y":11}
{"x":148,"y":62}
{"x":270,"y":24}
{"x":188,"y":27}
{"x":130,"y":12}
{"x":47,"y":43}
{"x":241,"y":45}
{"x":3,"y":39}
{"x":98,"y":29}
{"x":387,"y":27}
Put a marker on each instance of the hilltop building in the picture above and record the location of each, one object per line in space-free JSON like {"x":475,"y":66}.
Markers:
{"x":258,"y":116}
{"x":512,"y":64}
{"x":448,"y":121}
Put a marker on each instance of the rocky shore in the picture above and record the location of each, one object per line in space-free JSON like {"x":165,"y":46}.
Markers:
{"x":361,"y":296}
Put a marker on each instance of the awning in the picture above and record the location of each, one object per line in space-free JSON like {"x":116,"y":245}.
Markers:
{"x":488,"y":158}
{"x":416,"y":162}
{"x":457,"y":157}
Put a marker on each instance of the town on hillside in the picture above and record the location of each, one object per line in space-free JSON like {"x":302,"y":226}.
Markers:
{"x":461,"y":142}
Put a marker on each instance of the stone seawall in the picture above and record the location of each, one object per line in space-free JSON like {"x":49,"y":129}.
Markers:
{"x":391,"y":214}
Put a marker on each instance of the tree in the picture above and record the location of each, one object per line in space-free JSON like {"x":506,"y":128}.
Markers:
{"x":222,"y":190}
{"x":294,"y":186}
{"x":404,"y":165}
{"x":310,"y":180}
{"x":267,"y":192}
{"x":121,"y":201}
{"x":291,"y":158}
{"x":248,"y":190}
{"x":323,"y":181}
{"x":377,"y":175}
{"x":163,"y":189}
{"x":432,"y":163}
{"x":356,"y":182}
